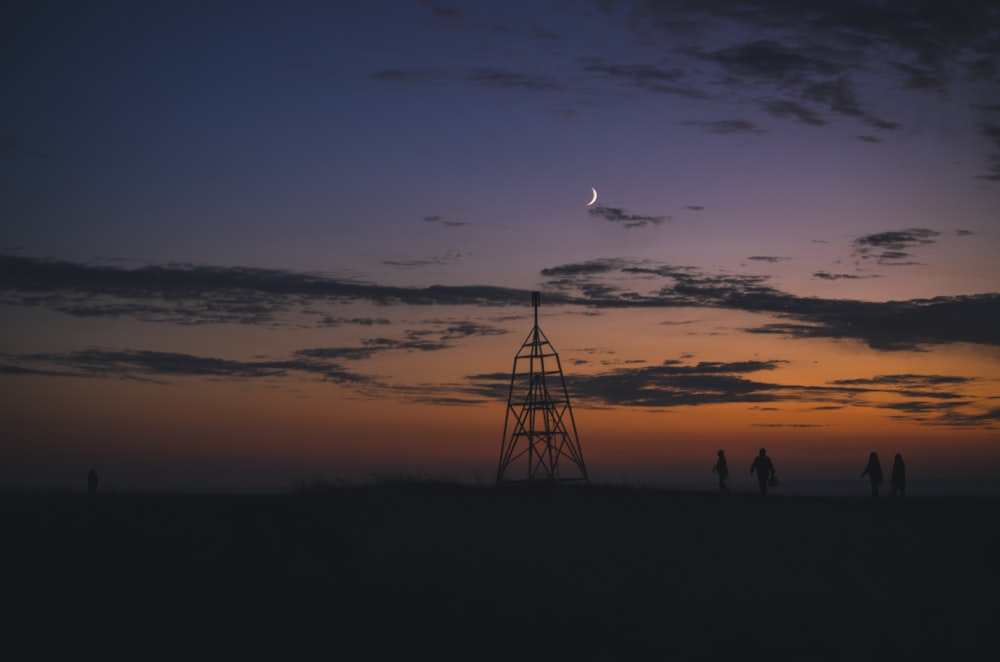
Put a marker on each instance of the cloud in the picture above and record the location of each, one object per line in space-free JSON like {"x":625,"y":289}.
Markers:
{"x":441,"y":11}
{"x":675,"y":384}
{"x":787,"y":109}
{"x":669,"y":385}
{"x":895,"y":325}
{"x":805,"y":75}
{"x":370,"y":347}
{"x":187,"y":294}
{"x":450,"y":257}
{"x":155,"y":365}
{"x":649,"y":77}
{"x":618,"y":215}
{"x":327,"y":320}
{"x":770,"y":60}
{"x":937,"y":400}
{"x":840,"y":96}
{"x":889,"y":326}
{"x":467,"y":329}
{"x":589,"y":268}
{"x":486,"y":76}
{"x":726,"y":126}
{"x":813,"y":63}
{"x":767,"y":258}
{"x":321,"y":362}
{"x":823,"y":275}
{"x":890,"y":248}
{"x":181,"y":294}
{"x":444,"y":221}
{"x":991,"y":132}
{"x":925,"y":399}
{"x":908,"y":379}
{"x":924,"y":78}
{"x":928,"y":399}
{"x":500,"y":77}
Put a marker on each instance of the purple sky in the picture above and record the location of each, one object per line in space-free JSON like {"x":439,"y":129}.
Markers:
{"x":249,"y":182}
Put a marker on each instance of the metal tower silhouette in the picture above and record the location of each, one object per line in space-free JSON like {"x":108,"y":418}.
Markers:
{"x":539,"y":433}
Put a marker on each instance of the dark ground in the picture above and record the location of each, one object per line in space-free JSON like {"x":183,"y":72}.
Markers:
{"x":448,"y":571}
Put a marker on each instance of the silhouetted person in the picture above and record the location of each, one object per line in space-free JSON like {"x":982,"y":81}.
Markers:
{"x":764,"y":469}
{"x":898,"y":477}
{"x":722,"y":469}
{"x":874,"y":472}
{"x":92,"y":482}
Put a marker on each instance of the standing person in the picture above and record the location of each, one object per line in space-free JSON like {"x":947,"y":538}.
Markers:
{"x":764,"y":469}
{"x":722,"y":468}
{"x":898,"y":477}
{"x":874,"y":472}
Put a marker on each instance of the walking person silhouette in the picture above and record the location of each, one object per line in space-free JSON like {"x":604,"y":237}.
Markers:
{"x":898,"y":477}
{"x":874,"y":472}
{"x":722,"y":469}
{"x":764,"y":469}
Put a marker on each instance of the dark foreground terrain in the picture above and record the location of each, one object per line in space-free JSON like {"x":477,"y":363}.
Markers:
{"x":425,"y":570}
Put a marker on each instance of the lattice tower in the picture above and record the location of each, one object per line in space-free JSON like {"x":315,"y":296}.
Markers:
{"x":540,"y":442}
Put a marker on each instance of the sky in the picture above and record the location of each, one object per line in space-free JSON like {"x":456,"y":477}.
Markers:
{"x":244,"y":244}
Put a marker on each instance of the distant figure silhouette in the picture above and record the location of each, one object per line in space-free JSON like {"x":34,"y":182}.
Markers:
{"x":764,"y":469}
{"x":722,"y":469}
{"x":874,"y":473}
{"x":92,"y":482}
{"x":898,"y":477}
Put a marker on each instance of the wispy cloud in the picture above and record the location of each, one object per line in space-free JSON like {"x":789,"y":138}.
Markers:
{"x":441,"y":220}
{"x":649,"y":77}
{"x":201,"y":295}
{"x":498,"y":77}
{"x":770,"y":60}
{"x":808,"y":63}
{"x":889,"y":325}
{"x":188,"y":294}
{"x":328,"y":320}
{"x":157,"y":366}
{"x":788,"y":109}
{"x":939,"y":400}
{"x":450,"y":257}
{"x":924,"y":398}
{"x":443,"y":11}
{"x":825,"y":275}
{"x":325,"y":363}
{"x":991,"y":132}
{"x":619,"y":215}
{"x":726,"y":126}
{"x":891,"y":248}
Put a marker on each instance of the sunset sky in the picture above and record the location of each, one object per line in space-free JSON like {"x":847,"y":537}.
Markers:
{"x":247,"y":242}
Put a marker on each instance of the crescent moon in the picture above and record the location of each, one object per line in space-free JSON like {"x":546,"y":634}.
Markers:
{"x":594,"y":199}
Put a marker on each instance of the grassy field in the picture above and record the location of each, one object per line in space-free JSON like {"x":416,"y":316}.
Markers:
{"x":413,"y":569}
